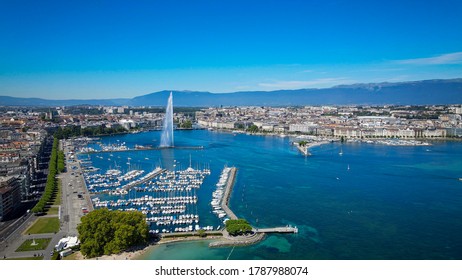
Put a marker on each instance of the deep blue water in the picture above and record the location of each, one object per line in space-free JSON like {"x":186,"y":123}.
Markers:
{"x":392,"y":202}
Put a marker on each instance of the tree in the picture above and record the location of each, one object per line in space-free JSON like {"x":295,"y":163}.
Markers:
{"x":187,"y":124}
{"x":238,"y":227}
{"x":60,"y":163}
{"x":51,"y":184}
{"x":111,"y":232}
{"x":253,"y":129}
{"x":202,"y":233}
{"x":302,"y":143}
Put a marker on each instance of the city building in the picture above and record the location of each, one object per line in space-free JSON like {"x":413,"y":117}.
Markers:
{"x":10,"y":196}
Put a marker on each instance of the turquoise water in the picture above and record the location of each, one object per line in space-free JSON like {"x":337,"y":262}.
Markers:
{"x":392,"y":202}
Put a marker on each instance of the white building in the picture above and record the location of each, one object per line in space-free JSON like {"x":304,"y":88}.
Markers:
{"x":306,"y":128}
{"x":127,"y":124}
{"x":67,"y":242}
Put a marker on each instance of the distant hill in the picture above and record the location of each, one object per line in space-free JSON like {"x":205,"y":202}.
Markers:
{"x":405,"y":93}
{"x":17,"y":101}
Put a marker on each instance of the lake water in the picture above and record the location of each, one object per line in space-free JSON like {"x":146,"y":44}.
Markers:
{"x":371,"y":202}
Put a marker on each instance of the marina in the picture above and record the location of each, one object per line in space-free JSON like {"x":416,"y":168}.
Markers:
{"x":168,"y":198}
{"x":220,"y":196}
{"x":308,"y":186}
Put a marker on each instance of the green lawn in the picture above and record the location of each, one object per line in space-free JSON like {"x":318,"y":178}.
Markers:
{"x":27,"y":258}
{"x":44,"y":225}
{"x":40,"y":244}
{"x":52,"y":211}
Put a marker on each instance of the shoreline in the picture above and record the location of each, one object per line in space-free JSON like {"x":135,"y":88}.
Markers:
{"x":138,"y":253}
{"x":294,"y":135}
{"x":305,"y":148}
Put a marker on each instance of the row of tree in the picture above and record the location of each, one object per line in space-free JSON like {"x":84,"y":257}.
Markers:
{"x":61,"y":165}
{"x":51,"y":184}
{"x":75,"y":131}
{"x":104,"y":232}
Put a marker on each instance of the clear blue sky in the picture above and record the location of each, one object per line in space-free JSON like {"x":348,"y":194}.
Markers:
{"x":107,"y":49}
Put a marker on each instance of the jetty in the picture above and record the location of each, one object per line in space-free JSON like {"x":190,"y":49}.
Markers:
{"x":145,"y":179}
{"x":227,"y":195}
{"x":303,"y":149}
{"x":258,"y":233}
{"x":286,"y":229}
{"x":237,"y":241}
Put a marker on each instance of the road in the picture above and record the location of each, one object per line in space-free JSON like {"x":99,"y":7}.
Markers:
{"x":71,"y":211}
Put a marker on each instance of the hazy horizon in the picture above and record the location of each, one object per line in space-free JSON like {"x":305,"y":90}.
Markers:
{"x":220,"y":93}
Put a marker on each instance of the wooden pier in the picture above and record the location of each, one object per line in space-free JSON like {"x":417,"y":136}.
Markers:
{"x":227,"y":195}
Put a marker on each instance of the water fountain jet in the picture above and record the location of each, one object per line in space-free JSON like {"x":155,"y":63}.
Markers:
{"x":166,"y":139}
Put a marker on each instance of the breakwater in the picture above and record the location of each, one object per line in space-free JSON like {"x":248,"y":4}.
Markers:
{"x":243,"y":241}
{"x":286,"y":229}
{"x":257,"y":236}
{"x":227,"y":194}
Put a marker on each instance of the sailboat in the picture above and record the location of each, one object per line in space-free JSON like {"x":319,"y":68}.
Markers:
{"x":341,"y":152}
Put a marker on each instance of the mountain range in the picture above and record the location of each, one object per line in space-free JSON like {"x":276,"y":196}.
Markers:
{"x":426,"y":92}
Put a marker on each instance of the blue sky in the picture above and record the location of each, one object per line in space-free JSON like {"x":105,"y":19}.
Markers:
{"x":111,"y":49}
